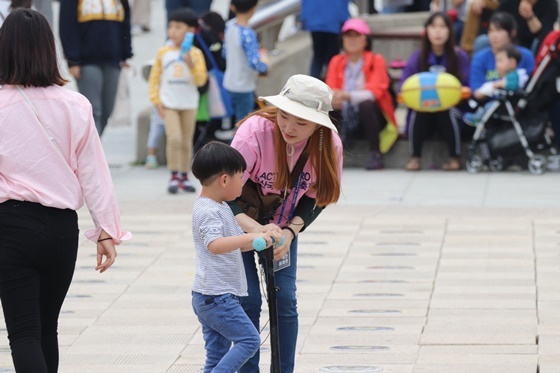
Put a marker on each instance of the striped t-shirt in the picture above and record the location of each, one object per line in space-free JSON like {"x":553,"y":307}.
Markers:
{"x":216,"y":274}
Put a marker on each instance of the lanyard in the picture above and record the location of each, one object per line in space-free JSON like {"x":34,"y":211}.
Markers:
{"x":294,"y":200}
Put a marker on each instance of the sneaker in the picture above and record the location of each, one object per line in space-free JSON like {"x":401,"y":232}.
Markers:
{"x":136,"y":30}
{"x":375,"y":161}
{"x":151,"y":162}
{"x":186,"y":185}
{"x":472,"y":119}
{"x":174,"y":185}
{"x":224,"y":135}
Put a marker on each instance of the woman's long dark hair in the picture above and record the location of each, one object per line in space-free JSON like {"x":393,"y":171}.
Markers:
{"x":448,"y":48}
{"x":27,"y":51}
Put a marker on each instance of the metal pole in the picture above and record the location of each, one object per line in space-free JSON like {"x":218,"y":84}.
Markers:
{"x":267,"y":260}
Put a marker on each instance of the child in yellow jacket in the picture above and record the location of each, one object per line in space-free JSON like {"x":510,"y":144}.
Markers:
{"x":173,"y":83}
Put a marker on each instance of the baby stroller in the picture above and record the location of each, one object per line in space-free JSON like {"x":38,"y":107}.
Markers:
{"x":514,"y":129}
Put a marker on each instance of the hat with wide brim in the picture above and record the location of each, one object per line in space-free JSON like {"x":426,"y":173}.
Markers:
{"x":305,"y":97}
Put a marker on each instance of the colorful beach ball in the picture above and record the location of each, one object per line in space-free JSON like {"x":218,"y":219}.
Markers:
{"x":431,"y":91}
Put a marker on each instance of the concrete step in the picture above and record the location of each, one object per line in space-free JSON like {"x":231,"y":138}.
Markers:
{"x":434,"y":154}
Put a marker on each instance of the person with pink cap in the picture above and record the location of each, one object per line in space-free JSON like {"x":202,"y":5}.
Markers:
{"x":362,"y":98}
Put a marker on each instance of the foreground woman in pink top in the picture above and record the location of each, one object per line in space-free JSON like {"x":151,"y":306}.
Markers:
{"x":51,"y":160}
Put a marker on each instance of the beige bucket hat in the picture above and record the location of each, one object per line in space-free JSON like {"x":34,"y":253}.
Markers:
{"x":305,"y":97}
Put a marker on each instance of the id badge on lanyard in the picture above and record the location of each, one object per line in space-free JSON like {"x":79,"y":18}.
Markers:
{"x":284,"y":262}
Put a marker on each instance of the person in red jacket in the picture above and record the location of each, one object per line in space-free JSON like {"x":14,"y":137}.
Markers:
{"x":362,"y":99}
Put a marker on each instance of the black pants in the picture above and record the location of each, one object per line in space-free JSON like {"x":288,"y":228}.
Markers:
{"x":424,"y":124}
{"x":326,"y":45}
{"x":38,"y":248}
{"x":371,"y":122}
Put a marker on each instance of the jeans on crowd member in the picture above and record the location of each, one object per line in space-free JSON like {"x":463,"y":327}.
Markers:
{"x":288,"y":324}
{"x":243,"y":103}
{"x":99,"y":84}
{"x":38,"y":248}
{"x":224,"y":322}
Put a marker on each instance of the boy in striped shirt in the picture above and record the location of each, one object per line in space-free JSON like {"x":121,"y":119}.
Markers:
{"x":220,"y":275}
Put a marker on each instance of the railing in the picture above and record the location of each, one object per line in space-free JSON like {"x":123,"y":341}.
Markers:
{"x":269,"y":18}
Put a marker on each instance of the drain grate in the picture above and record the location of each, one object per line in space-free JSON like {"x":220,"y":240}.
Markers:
{"x":365,"y":329}
{"x":379,"y":295}
{"x":397,"y":244}
{"x":376,"y":312}
{"x":351,"y":369}
{"x":360,"y":348}
{"x":395,"y":254}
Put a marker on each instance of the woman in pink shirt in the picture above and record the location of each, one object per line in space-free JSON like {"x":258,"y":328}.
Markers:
{"x":272,"y":141}
{"x":51,"y":160}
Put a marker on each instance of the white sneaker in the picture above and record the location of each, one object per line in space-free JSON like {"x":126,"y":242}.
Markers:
{"x":136,"y":30}
{"x":224,"y":135}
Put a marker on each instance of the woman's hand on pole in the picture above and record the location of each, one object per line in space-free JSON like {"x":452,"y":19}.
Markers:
{"x":273,"y":229}
{"x":281,"y":250}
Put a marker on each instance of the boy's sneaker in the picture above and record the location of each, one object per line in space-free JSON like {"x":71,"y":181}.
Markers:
{"x":186,"y":185}
{"x":174,"y":185}
{"x":472,"y":119}
{"x":151,"y":162}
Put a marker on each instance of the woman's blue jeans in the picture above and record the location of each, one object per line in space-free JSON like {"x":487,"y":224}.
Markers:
{"x":285,"y":281}
{"x":223,"y":322}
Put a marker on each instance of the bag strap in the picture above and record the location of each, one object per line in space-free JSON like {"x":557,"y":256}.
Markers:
{"x":298,"y":168}
{"x":206,"y":51}
{"x":49,"y":135}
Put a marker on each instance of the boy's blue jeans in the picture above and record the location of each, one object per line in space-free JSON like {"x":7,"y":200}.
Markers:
{"x":223,"y":322}
{"x":285,"y":281}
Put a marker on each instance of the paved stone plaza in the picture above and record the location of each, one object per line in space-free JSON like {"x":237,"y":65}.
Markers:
{"x":425,"y":272}
{"x":411,"y":272}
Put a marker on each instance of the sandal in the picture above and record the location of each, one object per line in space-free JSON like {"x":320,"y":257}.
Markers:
{"x":451,"y":165}
{"x":413,"y":164}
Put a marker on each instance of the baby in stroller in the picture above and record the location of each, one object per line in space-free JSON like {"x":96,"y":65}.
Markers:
{"x":513,"y":128}
{"x":512,"y":79}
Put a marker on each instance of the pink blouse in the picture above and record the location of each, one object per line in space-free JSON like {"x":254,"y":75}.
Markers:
{"x":32,"y":169}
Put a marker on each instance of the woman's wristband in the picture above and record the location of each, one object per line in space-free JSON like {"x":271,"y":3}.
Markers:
{"x":292,"y":231}
{"x":531,"y":18}
{"x":105,"y":239}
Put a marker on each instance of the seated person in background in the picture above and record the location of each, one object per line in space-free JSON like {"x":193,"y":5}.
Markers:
{"x":535,"y":19}
{"x":512,"y":79}
{"x":438,"y":51}
{"x":501,"y":32}
{"x":362,"y":98}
